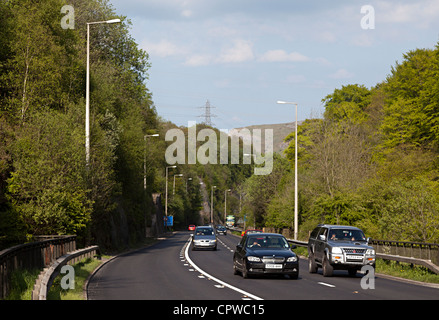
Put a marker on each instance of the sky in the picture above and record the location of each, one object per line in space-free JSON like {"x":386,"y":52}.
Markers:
{"x":244,"y":55}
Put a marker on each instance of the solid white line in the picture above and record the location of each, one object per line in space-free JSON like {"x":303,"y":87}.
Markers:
{"x":215,"y":279}
{"x":326,"y":284}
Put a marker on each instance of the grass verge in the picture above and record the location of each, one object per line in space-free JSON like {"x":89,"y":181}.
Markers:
{"x":22,"y":284}
{"x":83,"y":269}
{"x":406,"y":271}
{"x":23,"y":281}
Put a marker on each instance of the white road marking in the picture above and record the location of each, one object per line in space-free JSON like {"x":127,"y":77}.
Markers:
{"x":326,"y":284}
{"x":215,"y":279}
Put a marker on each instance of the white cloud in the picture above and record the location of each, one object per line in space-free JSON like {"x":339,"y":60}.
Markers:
{"x":323,"y":61}
{"x":326,"y":37}
{"x":187,"y":13}
{"x":282,"y":56}
{"x":162,"y":49}
{"x":420,"y":11}
{"x":198,"y":60}
{"x":341,"y":74}
{"x":242,"y":51}
{"x":364,"y":39}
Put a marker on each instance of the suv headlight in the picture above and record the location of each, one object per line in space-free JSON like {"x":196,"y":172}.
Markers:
{"x":253,"y":259}
{"x":336,"y":250}
{"x":292,"y":259}
{"x":370,"y":252}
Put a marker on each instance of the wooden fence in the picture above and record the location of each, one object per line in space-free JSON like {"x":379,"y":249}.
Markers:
{"x":30,"y":256}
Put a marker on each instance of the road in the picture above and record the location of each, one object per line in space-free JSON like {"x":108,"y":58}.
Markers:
{"x":168,"y":270}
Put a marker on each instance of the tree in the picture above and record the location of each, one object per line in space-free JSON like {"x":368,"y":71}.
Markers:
{"x":347,"y":103}
{"x":411,"y":110}
{"x":260,"y":189}
{"x":36,"y":63}
{"x":404,"y":209}
{"x":47,"y":187}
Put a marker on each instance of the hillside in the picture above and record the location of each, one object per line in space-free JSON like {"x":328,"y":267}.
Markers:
{"x":280,"y":131}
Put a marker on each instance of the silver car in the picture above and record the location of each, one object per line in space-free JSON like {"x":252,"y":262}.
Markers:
{"x":204,"y":238}
{"x":335,"y":247}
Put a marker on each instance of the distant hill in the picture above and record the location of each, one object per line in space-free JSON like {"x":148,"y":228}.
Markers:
{"x":280,"y":131}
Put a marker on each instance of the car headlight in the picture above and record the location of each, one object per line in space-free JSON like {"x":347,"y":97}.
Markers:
{"x":370,"y":252}
{"x":336,"y":250}
{"x":253,"y":259}
{"x":292,"y":259}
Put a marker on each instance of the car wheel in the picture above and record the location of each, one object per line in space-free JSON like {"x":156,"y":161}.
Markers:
{"x":312,"y":265}
{"x":244,"y":271}
{"x":327,"y":268}
{"x":294,"y":276}
{"x":235,"y":269}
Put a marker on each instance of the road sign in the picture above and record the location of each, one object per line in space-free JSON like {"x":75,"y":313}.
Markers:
{"x":169,"y":221}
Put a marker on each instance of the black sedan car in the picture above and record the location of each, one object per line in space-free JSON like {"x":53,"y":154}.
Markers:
{"x":221,"y":229}
{"x":265,"y":253}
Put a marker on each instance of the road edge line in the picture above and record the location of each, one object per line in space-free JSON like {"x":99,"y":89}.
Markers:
{"x":186,"y":253}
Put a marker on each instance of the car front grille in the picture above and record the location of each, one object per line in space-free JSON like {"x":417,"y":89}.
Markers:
{"x":354,"y":251}
{"x":273,"y":259}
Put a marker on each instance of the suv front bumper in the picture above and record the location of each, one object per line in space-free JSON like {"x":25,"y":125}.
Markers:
{"x":351,"y":259}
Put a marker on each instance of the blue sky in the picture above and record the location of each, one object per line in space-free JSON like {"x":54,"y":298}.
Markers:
{"x":244,"y":55}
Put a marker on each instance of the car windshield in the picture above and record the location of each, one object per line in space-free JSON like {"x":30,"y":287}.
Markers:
{"x":204,"y":232}
{"x":267,"y":242}
{"x":346,"y":235}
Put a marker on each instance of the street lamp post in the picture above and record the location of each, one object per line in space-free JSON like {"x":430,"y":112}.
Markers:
{"x":211,"y":204}
{"x":144,"y":173}
{"x":166,"y":191}
{"x":225,"y":204}
{"x":296,"y":223}
{"x":87,"y":91}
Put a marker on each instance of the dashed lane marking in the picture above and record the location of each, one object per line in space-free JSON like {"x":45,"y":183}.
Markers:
{"x":326,"y":284}
{"x":220,"y":282}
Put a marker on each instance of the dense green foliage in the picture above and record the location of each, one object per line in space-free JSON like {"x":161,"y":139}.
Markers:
{"x":45,"y":185}
{"x":371,"y":161}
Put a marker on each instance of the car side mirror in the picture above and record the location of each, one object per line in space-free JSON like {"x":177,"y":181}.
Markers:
{"x":368,"y":240}
{"x":322,"y":237}
{"x":239,"y":246}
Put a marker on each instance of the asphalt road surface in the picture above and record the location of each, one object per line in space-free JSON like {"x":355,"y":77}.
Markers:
{"x":169,"y":270}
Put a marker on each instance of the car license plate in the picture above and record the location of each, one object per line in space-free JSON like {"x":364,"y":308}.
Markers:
{"x":355,"y":257}
{"x":273,"y":266}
